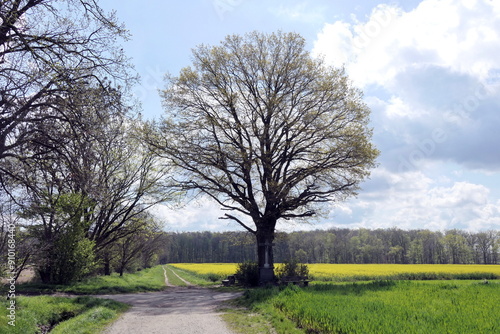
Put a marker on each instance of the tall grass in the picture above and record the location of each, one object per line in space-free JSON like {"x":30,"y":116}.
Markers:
{"x":389,"y":307}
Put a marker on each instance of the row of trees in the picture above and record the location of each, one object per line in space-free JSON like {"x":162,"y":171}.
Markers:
{"x":341,"y":246}
{"x":76,"y":178}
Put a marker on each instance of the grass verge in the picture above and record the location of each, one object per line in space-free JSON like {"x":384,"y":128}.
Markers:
{"x":255,"y":313}
{"x":150,"y":279}
{"x":244,"y":321}
{"x":81,"y":315}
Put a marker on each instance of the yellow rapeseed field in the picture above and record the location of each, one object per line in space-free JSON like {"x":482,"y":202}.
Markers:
{"x":219,"y":269}
{"x":341,"y":272}
{"x":374,"y":271}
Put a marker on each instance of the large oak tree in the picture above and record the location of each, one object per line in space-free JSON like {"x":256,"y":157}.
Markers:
{"x":267,"y":131}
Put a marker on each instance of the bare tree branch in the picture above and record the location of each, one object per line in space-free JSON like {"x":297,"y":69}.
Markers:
{"x":228,"y":216}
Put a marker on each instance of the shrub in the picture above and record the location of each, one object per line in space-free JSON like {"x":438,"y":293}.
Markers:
{"x":292,"y":268}
{"x":213,"y":277}
{"x":248,"y":273}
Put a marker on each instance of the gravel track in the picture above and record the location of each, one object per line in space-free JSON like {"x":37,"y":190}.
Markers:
{"x":176,"y":310}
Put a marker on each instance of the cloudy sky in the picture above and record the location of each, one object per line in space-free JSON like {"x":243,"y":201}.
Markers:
{"x":429,"y":70}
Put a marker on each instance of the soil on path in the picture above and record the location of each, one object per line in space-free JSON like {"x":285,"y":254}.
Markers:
{"x":176,"y":310}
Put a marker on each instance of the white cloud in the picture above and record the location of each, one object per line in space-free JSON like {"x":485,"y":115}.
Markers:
{"x":413,"y":200}
{"x":449,"y":33}
{"x":397,"y":107}
{"x":202,"y":214}
{"x":460,"y":195}
{"x":334,"y":44}
{"x":438,"y":66}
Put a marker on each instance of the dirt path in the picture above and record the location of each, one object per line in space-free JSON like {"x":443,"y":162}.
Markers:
{"x":177,"y":310}
{"x":173,"y":311}
{"x":173,"y":272}
{"x":167,"y":283}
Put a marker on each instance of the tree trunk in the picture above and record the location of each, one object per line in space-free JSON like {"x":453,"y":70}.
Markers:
{"x":44,"y":274}
{"x":107,"y":266}
{"x":265,"y":238}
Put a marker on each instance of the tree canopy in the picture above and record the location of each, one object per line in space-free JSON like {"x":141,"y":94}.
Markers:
{"x":267,"y":131}
{"x":71,"y":158}
{"x":48,"y":50}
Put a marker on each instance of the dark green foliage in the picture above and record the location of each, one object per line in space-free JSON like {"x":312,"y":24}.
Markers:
{"x":64,"y":254}
{"x":213,"y":277}
{"x":339,"y":246}
{"x":292,"y":268}
{"x":248,"y":273}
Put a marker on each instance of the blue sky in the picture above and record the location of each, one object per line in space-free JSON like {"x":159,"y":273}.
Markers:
{"x":429,"y":70}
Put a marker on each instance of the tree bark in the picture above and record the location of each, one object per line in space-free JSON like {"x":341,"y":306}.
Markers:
{"x":107,"y":264}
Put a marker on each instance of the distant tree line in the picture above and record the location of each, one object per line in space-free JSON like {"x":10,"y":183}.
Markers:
{"x":340,"y":246}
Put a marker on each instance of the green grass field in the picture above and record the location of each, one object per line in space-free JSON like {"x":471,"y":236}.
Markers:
{"x":384,"y":307}
{"x":345,"y":305}
{"x":193,"y":277}
{"x":208,"y":271}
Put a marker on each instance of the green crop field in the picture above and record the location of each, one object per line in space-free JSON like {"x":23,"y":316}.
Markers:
{"x":393,"y":307}
{"x":382,"y":307}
